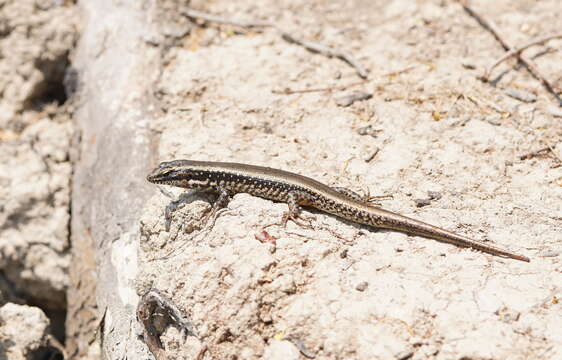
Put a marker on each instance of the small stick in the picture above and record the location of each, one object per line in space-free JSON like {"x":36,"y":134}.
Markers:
{"x":491,"y":105}
{"x":548,"y":149}
{"x":553,"y":152}
{"x":535,"y":153}
{"x":310,"y":46}
{"x":526,"y":63}
{"x":485,"y":24}
{"x":342,"y":87}
{"x":326,"y":51}
{"x":517,"y":51}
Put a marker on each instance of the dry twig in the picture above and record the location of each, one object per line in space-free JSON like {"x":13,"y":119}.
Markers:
{"x":521,"y":59}
{"x":553,"y":152}
{"x":310,"y":46}
{"x":517,"y":51}
{"x":326,"y":51}
{"x":547,"y":150}
{"x":532,"y":154}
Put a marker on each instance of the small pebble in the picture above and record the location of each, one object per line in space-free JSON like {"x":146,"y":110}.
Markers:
{"x":422,"y":202}
{"x":368,"y":130}
{"x":521,"y":95}
{"x":434,"y":195}
{"x":362,"y":286}
{"x":371,"y":156}
{"x":349,"y":99}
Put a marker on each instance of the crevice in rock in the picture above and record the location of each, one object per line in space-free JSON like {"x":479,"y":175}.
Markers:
{"x":46,"y":353}
{"x":57,"y":316}
{"x":51,"y":89}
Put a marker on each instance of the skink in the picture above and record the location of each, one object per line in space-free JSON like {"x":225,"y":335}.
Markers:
{"x":228,"y":179}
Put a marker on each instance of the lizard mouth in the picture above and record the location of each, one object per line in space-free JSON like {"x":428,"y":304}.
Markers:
{"x":167,"y":175}
{"x":159,"y":181}
{"x":163,"y":175}
{"x":155,"y":177}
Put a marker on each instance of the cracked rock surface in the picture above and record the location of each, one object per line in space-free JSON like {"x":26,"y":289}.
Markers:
{"x":36,"y":38}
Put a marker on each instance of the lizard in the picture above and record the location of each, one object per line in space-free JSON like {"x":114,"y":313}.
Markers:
{"x":227,"y":179}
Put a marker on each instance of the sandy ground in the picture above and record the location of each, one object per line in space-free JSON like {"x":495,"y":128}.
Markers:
{"x":448,"y":148}
{"x":343,"y":291}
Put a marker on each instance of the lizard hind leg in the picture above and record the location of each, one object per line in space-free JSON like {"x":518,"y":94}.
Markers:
{"x":294,"y":199}
{"x":365,"y":198}
{"x":351,"y":194}
{"x":294,"y":214}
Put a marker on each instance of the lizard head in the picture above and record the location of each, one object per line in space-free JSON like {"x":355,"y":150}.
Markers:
{"x":169,"y":173}
{"x":181,"y":173}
